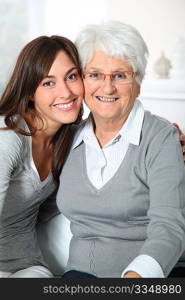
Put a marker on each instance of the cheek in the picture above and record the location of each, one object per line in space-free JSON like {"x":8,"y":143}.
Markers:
{"x":128,"y":93}
{"x":79,"y":90}
{"x":124,"y":91}
{"x":89,"y":90}
{"x":41,"y":95}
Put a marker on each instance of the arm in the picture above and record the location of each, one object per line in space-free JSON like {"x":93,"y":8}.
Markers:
{"x":140,"y":266}
{"x":166,"y":180}
{"x":166,"y":230}
{"x":10,"y":149}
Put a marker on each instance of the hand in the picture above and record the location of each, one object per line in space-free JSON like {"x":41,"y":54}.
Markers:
{"x":131,"y":274}
{"x":182,"y":139}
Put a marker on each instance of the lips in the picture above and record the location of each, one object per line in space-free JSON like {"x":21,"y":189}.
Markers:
{"x":106,"y":99}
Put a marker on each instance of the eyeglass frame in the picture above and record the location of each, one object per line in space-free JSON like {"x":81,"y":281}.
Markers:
{"x":111,"y":74}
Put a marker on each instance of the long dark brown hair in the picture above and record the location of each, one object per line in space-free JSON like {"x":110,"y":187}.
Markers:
{"x":33,"y":64}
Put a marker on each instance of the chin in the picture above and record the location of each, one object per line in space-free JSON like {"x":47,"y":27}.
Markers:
{"x":69,"y":121}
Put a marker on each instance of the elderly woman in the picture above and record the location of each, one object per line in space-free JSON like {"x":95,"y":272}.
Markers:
{"x":123,"y":184}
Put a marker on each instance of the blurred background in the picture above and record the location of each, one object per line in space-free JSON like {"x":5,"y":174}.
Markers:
{"x":161,"y":23}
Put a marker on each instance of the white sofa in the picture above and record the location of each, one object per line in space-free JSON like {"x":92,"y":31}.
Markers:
{"x":54,"y":238}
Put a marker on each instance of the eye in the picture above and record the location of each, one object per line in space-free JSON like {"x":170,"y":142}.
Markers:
{"x":72,"y":77}
{"x":48,"y":83}
{"x":120,"y":75}
{"x":94,"y":75}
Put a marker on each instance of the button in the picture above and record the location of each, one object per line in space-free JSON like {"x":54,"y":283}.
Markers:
{"x":117,"y":139}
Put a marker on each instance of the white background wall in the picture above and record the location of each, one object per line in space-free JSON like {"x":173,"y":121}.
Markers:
{"x":161,"y":23}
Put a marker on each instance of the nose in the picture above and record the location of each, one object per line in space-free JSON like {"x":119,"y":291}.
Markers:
{"x":64,"y":90}
{"x":107,"y":86}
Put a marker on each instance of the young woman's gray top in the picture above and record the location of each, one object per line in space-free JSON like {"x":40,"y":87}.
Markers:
{"x":21,"y":194}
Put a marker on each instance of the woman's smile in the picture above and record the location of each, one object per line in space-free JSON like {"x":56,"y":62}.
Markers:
{"x":67,"y":106}
{"x":106,"y":99}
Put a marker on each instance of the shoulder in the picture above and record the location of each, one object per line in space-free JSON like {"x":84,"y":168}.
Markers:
{"x":160,"y":141}
{"x":155,"y":121}
{"x":10,"y":141}
{"x":157,"y":128}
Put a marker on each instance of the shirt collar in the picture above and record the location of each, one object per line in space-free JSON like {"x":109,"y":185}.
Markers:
{"x":86,"y":133}
{"x":130,"y":131}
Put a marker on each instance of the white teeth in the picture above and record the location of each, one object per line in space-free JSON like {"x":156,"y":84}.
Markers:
{"x":106,"y":99}
{"x":64,"y":105}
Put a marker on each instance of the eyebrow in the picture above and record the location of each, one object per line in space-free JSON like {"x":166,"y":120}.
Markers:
{"x":49,"y":76}
{"x":101,"y":70}
{"x":69,"y":71}
{"x":72,"y":69}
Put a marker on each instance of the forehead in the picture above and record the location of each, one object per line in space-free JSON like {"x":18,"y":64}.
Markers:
{"x":62,"y":62}
{"x":100,"y":60}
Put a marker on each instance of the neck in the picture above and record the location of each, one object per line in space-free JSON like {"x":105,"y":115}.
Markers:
{"x":43,"y":138}
{"x":44,"y":133}
{"x":106,"y":130}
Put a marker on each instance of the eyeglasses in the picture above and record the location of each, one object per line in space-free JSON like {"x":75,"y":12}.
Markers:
{"x":122,"y":77}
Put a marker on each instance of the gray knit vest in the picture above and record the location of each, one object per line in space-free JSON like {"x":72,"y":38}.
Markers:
{"x":110,"y":225}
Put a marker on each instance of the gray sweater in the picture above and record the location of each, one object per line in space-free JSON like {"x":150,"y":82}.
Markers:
{"x":21,"y":194}
{"x":140,"y":210}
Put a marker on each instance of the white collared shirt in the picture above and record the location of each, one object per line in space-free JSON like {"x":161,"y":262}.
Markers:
{"x":103,"y":163}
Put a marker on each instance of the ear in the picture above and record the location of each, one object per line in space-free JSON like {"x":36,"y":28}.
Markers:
{"x":137,"y":89}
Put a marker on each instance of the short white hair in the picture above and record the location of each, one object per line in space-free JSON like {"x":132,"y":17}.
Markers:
{"x":117,"y":39}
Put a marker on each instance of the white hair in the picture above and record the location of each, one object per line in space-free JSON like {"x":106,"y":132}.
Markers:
{"x":117,"y":39}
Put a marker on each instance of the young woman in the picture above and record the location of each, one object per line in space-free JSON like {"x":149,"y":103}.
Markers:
{"x":37,"y":108}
